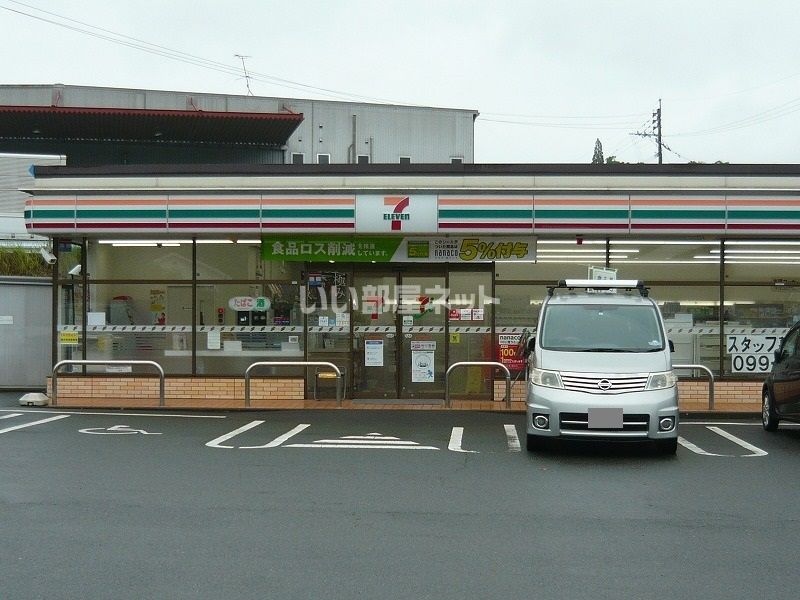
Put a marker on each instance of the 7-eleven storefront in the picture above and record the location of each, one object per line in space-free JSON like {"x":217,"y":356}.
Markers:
{"x":391,"y":275}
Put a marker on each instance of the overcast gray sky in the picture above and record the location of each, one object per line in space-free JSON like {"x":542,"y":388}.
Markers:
{"x":548,"y":77}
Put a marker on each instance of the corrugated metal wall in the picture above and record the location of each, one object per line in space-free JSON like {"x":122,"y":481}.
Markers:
{"x":14,"y":173}
{"x":25,"y":322}
{"x":383,"y":132}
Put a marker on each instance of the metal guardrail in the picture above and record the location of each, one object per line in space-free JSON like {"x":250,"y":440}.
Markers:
{"x":149,"y":363}
{"x":496,"y":365}
{"x":298,"y":363}
{"x":710,"y":381}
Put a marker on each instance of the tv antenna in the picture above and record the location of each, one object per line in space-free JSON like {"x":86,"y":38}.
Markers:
{"x":246,"y":74}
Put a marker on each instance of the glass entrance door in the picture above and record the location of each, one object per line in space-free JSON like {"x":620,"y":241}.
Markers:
{"x":470,"y":333}
{"x":375,"y":335}
{"x":399,"y":347}
{"x":422,"y":312}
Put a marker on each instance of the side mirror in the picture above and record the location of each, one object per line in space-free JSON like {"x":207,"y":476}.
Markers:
{"x":530,"y":346}
{"x":671,"y":345}
{"x":778,"y":355}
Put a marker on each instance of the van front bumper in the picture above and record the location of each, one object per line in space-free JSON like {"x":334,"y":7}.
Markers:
{"x":567,"y":413}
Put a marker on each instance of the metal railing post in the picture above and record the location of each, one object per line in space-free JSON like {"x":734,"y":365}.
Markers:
{"x":496,"y":365}
{"x":298,"y":363}
{"x":149,"y":363}
{"x":710,"y":381}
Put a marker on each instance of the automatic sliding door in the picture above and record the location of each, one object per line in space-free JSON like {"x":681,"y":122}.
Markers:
{"x":422,"y":313}
{"x":375,"y":336}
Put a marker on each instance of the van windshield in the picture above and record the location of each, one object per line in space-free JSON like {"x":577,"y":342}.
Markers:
{"x":601,"y":328}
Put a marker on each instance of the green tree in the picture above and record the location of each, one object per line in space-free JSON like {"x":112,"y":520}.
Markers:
{"x":597,"y":159}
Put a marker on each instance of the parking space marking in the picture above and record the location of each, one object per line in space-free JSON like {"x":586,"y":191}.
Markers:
{"x":512,"y":438}
{"x":371,"y":441}
{"x":455,"y":441}
{"x":115,"y":430}
{"x":696,"y":449}
{"x":281,"y":438}
{"x":10,"y":416}
{"x":32,"y":423}
{"x":217,"y":442}
{"x":114,"y":414}
{"x":755,"y":450}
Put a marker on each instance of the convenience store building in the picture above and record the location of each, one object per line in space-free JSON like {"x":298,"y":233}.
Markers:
{"x":395,"y":272}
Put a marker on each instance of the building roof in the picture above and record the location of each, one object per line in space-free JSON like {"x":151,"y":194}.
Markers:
{"x":148,"y":125}
{"x":419,"y":169}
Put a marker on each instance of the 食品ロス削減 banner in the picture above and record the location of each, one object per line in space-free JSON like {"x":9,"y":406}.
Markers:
{"x":395,"y":249}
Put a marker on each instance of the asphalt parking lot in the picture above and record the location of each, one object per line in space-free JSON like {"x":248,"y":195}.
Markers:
{"x":397,"y":504}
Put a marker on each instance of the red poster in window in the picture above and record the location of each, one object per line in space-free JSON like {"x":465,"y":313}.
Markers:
{"x":510,"y":353}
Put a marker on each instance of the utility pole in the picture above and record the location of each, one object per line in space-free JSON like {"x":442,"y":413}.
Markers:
{"x":246,"y":74}
{"x":655,"y":132}
{"x":657,"y":125}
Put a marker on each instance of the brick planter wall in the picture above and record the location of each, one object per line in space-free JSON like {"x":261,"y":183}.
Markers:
{"x":228,"y":393}
{"x":179,"y":392}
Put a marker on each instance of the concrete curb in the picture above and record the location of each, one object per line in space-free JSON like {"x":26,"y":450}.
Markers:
{"x":719,"y":414}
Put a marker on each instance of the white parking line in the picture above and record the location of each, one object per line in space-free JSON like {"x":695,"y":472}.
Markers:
{"x":512,"y":438}
{"x":372,"y":441}
{"x":12,"y":415}
{"x":217,"y":442}
{"x":455,"y":441}
{"x":281,"y":438}
{"x":756,"y":451}
{"x":32,"y":423}
{"x":116,"y":414}
{"x":696,"y":449}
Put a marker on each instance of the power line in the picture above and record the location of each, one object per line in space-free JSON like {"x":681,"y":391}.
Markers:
{"x":163,"y":51}
{"x":617,"y":126}
{"x":528,"y":116}
{"x":595,"y":121}
{"x":776,"y":112}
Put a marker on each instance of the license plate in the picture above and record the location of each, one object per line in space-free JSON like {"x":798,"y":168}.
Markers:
{"x":605,"y":418}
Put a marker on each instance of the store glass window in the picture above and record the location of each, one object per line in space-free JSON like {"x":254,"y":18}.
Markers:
{"x":762,"y":300}
{"x":516,"y":318}
{"x":756,"y":319}
{"x":471,"y":308}
{"x":141,"y":259}
{"x":665,"y":259}
{"x":129,"y":322}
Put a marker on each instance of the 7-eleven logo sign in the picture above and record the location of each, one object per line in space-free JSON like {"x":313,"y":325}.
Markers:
{"x":397,"y":205}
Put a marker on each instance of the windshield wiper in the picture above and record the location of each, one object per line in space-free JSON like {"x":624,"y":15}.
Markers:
{"x":605,"y":350}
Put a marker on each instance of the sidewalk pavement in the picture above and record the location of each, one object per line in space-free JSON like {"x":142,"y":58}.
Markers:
{"x":10,"y":399}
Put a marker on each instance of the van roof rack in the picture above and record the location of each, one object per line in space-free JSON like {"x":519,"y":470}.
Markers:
{"x":600,"y":284}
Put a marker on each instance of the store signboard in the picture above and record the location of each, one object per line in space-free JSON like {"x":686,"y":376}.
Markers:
{"x":386,"y":249}
{"x":396,"y":214}
{"x":752,"y":353}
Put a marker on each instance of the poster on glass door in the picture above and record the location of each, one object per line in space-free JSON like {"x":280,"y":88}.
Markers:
{"x":373,"y":353}
{"x":422,"y":361}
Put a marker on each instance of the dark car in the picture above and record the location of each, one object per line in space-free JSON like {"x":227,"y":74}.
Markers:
{"x":780,"y":397}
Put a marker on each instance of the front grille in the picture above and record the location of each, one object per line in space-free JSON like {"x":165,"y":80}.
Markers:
{"x":592,"y":383}
{"x":569,"y":422}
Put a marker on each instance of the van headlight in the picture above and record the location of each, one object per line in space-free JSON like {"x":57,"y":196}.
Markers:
{"x":546,"y":378}
{"x":661,"y":381}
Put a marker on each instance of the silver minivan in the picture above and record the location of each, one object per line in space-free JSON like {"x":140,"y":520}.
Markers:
{"x":600,"y":367}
